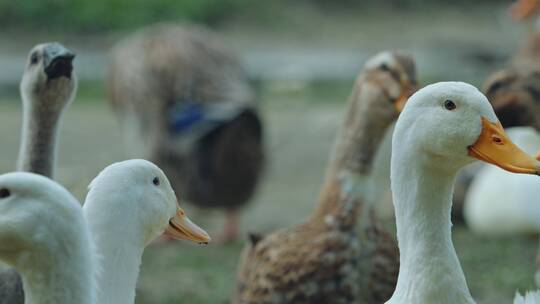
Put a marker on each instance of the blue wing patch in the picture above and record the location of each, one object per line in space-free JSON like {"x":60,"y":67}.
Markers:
{"x":183,"y":117}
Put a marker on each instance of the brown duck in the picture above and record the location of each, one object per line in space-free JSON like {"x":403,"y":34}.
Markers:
{"x":186,"y":104}
{"x":334,"y":257}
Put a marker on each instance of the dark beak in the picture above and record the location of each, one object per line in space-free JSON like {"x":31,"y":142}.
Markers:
{"x":57,"y":61}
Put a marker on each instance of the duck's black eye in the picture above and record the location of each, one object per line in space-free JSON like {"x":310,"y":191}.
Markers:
{"x":34,"y":58}
{"x":155,"y":181}
{"x":4,"y":192}
{"x":449,"y":105}
{"x":384,"y":67}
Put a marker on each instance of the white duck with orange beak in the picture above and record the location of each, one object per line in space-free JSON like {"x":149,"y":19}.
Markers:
{"x":129,"y":204}
{"x":442,"y":128}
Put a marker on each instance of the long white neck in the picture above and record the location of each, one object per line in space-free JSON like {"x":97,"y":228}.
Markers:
{"x":64,"y":277}
{"x":429,"y":271}
{"x":37,"y":153}
{"x":119,"y":249}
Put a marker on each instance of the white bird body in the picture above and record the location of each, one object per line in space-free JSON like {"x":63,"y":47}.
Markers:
{"x":441,"y":127}
{"x":499,"y":202}
{"x":529,"y":298}
{"x":44,"y":235}
{"x":128,"y":205}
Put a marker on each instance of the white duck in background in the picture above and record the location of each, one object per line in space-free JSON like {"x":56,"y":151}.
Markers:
{"x":44,"y":235}
{"x":128,"y":205}
{"x":441,"y":129}
{"x":499,"y":202}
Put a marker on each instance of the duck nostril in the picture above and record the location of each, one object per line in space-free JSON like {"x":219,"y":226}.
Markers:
{"x":497,"y":140}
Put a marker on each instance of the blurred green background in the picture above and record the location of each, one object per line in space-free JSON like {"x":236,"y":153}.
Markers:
{"x":302,"y":57}
{"x":102,"y":15}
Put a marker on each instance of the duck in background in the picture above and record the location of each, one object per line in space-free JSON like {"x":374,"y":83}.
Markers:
{"x":528,"y":56}
{"x":185,"y":103}
{"x":335,"y":257}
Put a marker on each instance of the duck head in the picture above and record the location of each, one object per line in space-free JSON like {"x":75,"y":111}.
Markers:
{"x":37,"y":216}
{"x":395,"y":73}
{"x":139,"y":192}
{"x":49,"y":77}
{"x":453,"y":124}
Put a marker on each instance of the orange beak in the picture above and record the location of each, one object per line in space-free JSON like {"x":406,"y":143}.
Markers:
{"x":406,"y":91}
{"x":524,"y":9}
{"x":493,"y":146}
{"x":182,"y":228}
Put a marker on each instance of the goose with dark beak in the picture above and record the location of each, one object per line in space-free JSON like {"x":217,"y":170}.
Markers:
{"x":57,"y":61}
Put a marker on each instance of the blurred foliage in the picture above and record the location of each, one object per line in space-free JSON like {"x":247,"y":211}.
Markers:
{"x":99,"y":15}
{"x":103,"y":15}
{"x":401,"y":3}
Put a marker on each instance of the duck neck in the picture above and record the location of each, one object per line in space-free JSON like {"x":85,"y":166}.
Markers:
{"x":354,"y":150}
{"x":67,"y":277}
{"x":119,"y":250}
{"x":429,"y":267}
{"x":39,"y":139}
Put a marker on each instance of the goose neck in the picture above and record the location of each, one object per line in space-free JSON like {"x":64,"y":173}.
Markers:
{"x":353,"y":153}
{"x":39,"y":140}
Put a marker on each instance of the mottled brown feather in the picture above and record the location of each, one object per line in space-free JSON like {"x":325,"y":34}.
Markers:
{"x":331,"y":258}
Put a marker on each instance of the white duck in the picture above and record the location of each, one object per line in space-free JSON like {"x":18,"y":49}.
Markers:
{"x":128,"y":205}
{"x":441,"y":129}
{"x":499,"y":202}
{"x":44,"y":235}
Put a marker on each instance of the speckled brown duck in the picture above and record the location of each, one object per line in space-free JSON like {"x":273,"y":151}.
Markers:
{"x":340,"y":254}
{"x":185,"y":103}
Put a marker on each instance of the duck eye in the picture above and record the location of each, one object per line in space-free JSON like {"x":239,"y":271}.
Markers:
{"x":4,"y":192}
{"x":34,"y":58}
{"x":384,"y":67}
{"x":155,"y":181}
{"x":449,"y":105}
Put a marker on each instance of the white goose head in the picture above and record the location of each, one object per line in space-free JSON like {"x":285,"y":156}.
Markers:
{"x":44,"y":235}
{"x":49,"y":80}
{"x":452,"y":123}
{"x":443,"y":127}
{"x":138,"y":193}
